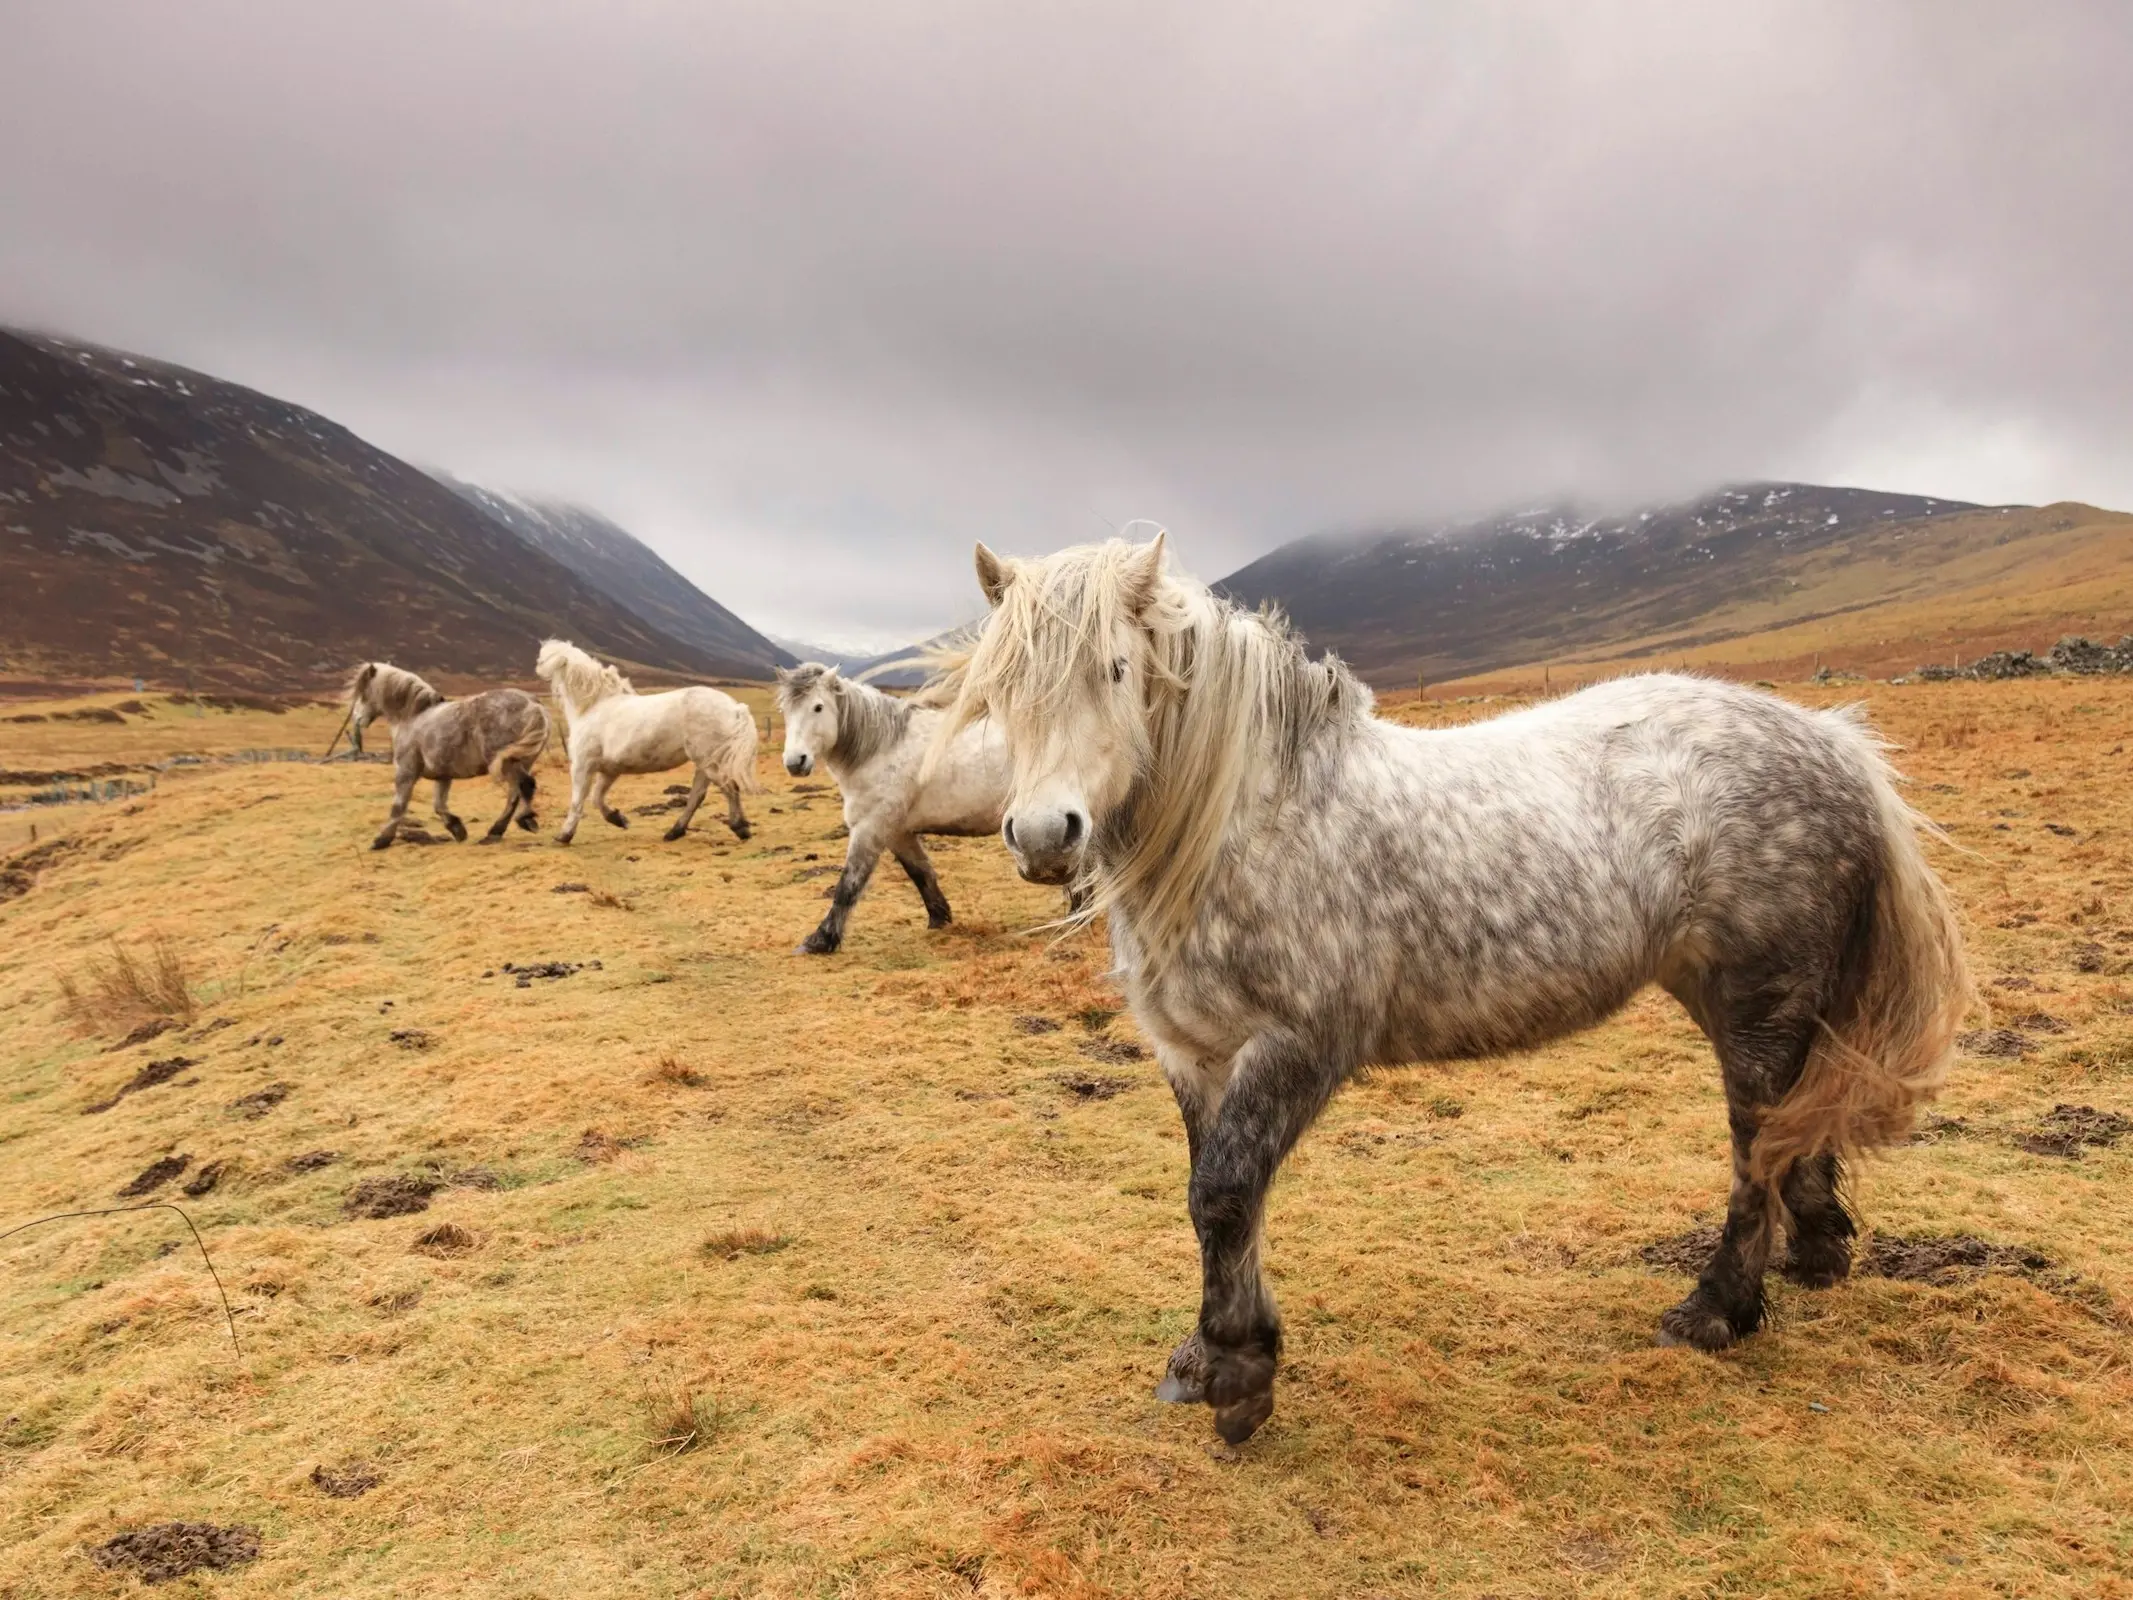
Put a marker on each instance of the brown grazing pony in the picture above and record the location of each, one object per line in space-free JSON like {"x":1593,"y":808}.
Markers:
{"x":501,"y":733}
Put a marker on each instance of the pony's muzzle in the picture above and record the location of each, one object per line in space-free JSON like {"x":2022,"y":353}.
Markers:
{"x":1046,"y":844}
{"x":799,"y":766}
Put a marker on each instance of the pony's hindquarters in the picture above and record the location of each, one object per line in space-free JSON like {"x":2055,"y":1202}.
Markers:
{"x":723,"y":739}
{"x":1888,"y":1035}
{"x":524,"y":748}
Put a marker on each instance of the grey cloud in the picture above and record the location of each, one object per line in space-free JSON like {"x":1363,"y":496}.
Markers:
{"x":811,"y":294}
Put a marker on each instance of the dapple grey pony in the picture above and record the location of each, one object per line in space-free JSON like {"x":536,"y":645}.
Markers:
{"x":1297,"y":889}
{"x":875,"y":745}
{"x":501,"y":732}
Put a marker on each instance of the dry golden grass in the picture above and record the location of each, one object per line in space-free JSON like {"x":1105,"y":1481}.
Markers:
{"x":124,"y":987}
{"x":941,"y":1383}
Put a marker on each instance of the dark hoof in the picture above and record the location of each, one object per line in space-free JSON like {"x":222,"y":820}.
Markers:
{"x":1240,"y":1386}
{"x":1697,"y":1325}
{"x":674,"y":833}
{"x":527,"y":820}
{"x":488,"y":838}
{"x":817,"y":943}
{"x":741,"y":830}
{"x":1818,"y":1263}
{"x":382,"y":841}
{"x":616,"y":819}
{"x":456,"y":828}
{"x":941,"y":921}
{"x":1185,"y":1381}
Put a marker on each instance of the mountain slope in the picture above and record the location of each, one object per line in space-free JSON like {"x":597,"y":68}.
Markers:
{"x":1465,"y":598}
{"x":155,"y":520}
{"x":627,"y":571}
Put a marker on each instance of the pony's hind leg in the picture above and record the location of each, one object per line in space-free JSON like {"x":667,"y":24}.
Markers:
{"x":443,"y":808}
{"x":511,"y":776}
{"x":1822,"y":1229}
{"x":697,"y":791}
{"x":911,"y":855}
{"x":1762,"y":1045}
{"x":525,"y":818}
{"x":736,"y":818}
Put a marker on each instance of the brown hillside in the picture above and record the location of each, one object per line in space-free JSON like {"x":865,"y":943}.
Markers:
{"x":157,"y":521}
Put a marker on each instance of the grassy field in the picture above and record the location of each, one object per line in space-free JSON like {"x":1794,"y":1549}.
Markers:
{"x":745,"y":1274}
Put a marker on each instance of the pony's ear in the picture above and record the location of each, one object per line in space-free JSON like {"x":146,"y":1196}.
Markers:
{"x":1143,"y":569}
{"x":784,"y":674}
{"x":993,"y":576}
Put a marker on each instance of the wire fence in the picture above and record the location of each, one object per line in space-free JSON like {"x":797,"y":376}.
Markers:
{"x":101,"y":791}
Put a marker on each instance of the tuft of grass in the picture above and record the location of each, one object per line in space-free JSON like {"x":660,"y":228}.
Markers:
{"x":606,"y":897}
{"x":745,"y":1239}
{"x":678,"y":1418}
{"x":130,"y":986}
{"x":671,"y":1069}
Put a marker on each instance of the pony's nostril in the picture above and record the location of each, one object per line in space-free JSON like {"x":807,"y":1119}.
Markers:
{"x":1007,"y":828}
{"x":1073,"y":828}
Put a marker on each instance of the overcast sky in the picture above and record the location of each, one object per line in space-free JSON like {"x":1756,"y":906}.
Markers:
{"x":811,"y":294}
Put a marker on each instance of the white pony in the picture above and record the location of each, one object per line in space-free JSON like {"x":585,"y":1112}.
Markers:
{"x":1297,"y":890}
{"x":874,"y":745}
{"x":612,"y":730}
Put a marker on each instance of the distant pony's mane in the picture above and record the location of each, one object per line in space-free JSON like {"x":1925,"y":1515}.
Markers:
{"x":1233,"y":711}
{"x":585,"y":681}
{"x":391,"y":692}
{"x":868,"y":720}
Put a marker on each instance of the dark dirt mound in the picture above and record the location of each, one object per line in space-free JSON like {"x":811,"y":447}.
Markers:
{"x":1113,"y":1052}
{"x":413,"y":1038}
{"x":2089,"y":957}
{"x":172,"y":1549}
{"x":143,"y":1033}
{"x":391,"y":1197}
{"x":311,"y":1161}
{"x":204,"y":1181}
{"x":1943,"y":1260}
{"x":446,"y":1239}
{"x":596,"y":1144}
{"x":659,"y":808}
{"x":1686,"y":1253}
{"x":346,"y":1481}
{"x":1092,"y":1086}
{"x":1035,"y":1025}
{"x":474,"y":1178}
{"x":153,"y":1176}
{"x":571,"y":888}
{"x":2070,"y":1128}
{"x":147,"y":1078}
{"x":1096,"y":1018}
{"x":526,"y":973}
{"x":259,"y":1102}
{"x":2001,"y":1043}
{"x":1935,"y":1129}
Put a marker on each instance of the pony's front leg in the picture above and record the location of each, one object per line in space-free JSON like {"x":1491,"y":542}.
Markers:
{"x":403,"y":791}
{"x":1276,"y":1088}
{"x":601,"y":782}
{"x":443,"y":807}
{"x":580,"y":782}
{"x":1197,"y":1084}
{"x":697,"y":791}
{"x":860,"y":857}
{"x":911,"y":854}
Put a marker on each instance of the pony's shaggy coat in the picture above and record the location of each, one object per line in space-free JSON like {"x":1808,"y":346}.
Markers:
{"x":501,"y":732}
{"x":876,"y":746}
{"x":1297,"y":889}
{"x":611,"y":730}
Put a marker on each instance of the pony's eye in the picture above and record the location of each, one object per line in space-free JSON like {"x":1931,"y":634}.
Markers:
{"x":818,"y":705}
{"x":1118,"y":670}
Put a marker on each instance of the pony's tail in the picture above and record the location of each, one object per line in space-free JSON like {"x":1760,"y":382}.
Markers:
{"x":527,"y":747}
{"x":735,"y":756}
{"x":1886,"y":1044}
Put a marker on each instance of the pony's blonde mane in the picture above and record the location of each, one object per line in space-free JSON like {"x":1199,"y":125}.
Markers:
{"x":868,"y":719}
{"x":1232,"y":712}
{"x":390,"y":692}
{"x":586,"y":682}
